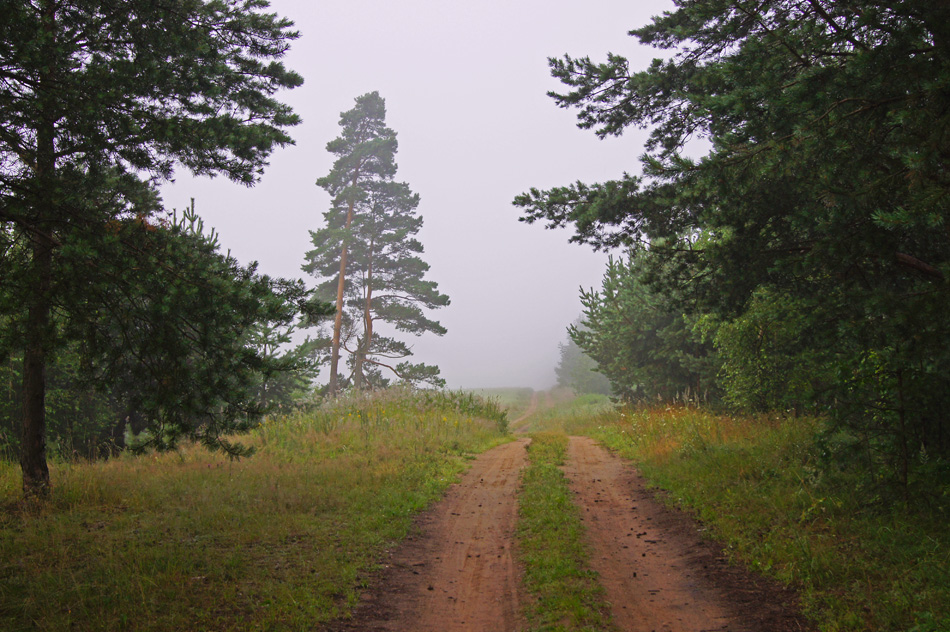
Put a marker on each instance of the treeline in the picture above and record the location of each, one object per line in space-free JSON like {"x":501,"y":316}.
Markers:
{"x":801,"y":264}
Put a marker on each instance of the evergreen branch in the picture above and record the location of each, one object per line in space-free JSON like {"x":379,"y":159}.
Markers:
{"x":816,"y":5}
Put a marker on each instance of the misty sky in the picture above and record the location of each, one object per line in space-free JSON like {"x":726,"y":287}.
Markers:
{"x":465,"y":87}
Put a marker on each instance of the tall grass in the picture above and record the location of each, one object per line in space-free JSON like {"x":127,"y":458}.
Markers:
{"x":763,"y":485}
{"x":191,"y":541}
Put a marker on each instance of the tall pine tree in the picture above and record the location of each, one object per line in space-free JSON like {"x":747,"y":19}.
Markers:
{"x":368,"y":254}
{"x":95,"y":97}
{"x":365,"y":152}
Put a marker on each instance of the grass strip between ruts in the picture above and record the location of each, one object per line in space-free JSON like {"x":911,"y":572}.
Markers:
{"x":565,"y":594}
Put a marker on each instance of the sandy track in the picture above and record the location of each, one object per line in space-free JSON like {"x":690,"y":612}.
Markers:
{"x":658,"y":573}
{"x":459,"y":572}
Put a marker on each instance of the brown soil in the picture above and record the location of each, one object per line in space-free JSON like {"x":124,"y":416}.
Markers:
{"x":458,"y":572}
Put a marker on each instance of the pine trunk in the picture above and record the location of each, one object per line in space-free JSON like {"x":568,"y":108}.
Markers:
{"x":36,"y":338}
{"x":33,"y":444}
{"x":367,"y":327}
{"x":39,"y":311}
{"x":334,"y":385}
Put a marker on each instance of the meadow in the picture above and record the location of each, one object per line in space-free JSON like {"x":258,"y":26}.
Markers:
{"x":285,"y":539}
{"x":282,"y":540}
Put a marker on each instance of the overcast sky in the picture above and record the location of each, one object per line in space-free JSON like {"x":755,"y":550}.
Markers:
{"x":465,"y":86}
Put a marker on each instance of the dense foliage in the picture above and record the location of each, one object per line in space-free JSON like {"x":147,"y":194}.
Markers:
{"x":367,"y":255}
{"x":646,"y":348}
{"x":166,"y":355}
{"x":812,"y":241}
{"x":98,"y":101}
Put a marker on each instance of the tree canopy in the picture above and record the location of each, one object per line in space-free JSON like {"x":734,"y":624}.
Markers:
{"x":825,"y":183}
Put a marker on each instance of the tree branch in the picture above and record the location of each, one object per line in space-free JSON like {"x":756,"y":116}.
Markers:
{"x":914,"y":263}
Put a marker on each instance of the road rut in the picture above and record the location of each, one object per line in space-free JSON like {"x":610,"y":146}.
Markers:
{"x":459,"y":573}
{"x":659,"y":574}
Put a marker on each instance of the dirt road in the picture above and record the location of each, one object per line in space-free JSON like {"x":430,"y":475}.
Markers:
{"x":520,"y":424}
{"x":460,"y":574}
{"x":658,"y":572}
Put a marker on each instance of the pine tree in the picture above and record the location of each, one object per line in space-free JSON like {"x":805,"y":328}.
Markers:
{"x":391,"y":287}
{"x":98,"y":101}
{"x":185,"y":366}
{"x":368,"y":252}
{"x":365,"y":152}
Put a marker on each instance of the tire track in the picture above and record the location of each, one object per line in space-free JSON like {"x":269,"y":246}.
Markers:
{"x":460,"y":572}
{"x":658,"y":573}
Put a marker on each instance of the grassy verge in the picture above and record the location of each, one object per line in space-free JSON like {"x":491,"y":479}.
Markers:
{"x":191,"y":541}
{"x":760,"y":486}
{"x":550,"y":534}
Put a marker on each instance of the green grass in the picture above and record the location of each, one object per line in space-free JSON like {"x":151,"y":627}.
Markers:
{"x":560,"y":409}
{"x":191,"y":541}
{"x":514,"y":400}
{"x":763,"y":487}
{"x":566,"y":595}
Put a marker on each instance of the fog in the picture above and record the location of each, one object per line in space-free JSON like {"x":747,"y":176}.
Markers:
{"x":465,"y":87}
